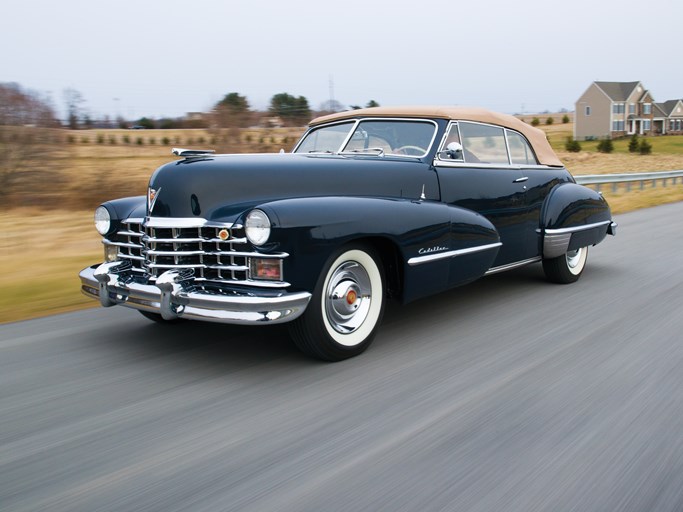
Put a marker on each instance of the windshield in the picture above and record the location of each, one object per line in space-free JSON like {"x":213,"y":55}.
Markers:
{"x":371,"y":136}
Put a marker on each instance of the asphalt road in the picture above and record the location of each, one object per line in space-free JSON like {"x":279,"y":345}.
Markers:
{"x":509,"y":394}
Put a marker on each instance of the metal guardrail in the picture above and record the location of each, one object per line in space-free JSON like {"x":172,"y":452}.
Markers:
{"x":628,"y":178}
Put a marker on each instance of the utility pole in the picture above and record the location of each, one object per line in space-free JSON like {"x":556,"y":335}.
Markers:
{"x":332,"y":105}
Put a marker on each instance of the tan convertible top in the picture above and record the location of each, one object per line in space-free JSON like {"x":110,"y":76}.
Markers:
{"x":536,"y":137}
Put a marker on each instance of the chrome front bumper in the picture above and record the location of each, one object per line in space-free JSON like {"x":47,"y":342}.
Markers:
{"x":173,"y":296}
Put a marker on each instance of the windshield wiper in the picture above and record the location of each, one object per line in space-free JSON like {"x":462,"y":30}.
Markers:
{"x":366,"y":151}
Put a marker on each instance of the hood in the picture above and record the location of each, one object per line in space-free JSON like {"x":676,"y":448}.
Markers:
{"x":222,"y":187}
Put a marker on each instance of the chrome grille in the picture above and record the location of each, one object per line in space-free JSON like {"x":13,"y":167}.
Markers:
{"x":215,"y":252}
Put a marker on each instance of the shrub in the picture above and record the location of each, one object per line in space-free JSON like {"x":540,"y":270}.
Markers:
{"x":605,"y":146}
{"x":71,"y":139}
{"x":100,"y":138}
{"x":248,"y":139}
{"x":139,"y":141}
{"x":645,"y":147}
{"x":201,"y":140}
{"x":549,"y":121}
{"x":85,"y":140}
{"x":565,"y":119}
{"x":112,"y":140}
{"x":535,"y":121}
{"x":572,"y":145}
{"x":166,"y":141}
{"x":126,"y":139}
{"x":190,"y":141}
{"x":634,"y":144}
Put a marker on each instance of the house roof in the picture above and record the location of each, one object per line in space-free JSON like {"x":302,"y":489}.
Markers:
{"x":659,"y":110}
{"x":617,"y":91}
{"x":667,"y":107}
{"x":536,"y":137}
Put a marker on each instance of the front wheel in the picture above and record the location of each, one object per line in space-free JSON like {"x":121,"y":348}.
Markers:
{"x":566,"y":268}
{"x":346,"y":308}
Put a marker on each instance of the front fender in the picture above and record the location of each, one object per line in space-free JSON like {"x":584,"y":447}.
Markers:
{"x":422,"y":233}
{"x":125,"y":208}
{"x":573,"y":216}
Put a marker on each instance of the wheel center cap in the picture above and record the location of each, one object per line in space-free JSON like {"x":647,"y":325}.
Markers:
{"x":351,"y":297}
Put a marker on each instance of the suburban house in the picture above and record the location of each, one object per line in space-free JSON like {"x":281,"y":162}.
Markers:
{"x":617,"y":109}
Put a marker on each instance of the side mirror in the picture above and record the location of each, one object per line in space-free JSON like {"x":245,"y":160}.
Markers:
{"x":453,"y":152}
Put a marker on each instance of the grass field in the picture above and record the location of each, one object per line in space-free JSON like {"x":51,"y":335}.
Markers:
{"x":47,"y":234}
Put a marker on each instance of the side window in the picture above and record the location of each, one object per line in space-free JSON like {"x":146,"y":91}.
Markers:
{"x":520,"y":152}
{"x":483,"y":143}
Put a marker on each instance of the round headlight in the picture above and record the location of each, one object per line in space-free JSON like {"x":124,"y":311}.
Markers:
{"x":102,"y":220}
{"x":257,"y":227}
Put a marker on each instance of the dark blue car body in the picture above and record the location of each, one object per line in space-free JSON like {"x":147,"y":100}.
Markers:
{"x":347,"y":226}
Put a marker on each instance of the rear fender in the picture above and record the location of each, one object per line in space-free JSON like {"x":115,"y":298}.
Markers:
{"x":573,"y":216}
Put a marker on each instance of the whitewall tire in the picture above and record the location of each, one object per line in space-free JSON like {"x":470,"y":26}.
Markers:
{"x":567,"y":268}
{"x":346,"y":308}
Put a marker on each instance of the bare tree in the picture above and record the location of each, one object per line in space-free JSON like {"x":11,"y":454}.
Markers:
{"x":73,"y":100}
{"x":20,"y":107}
{"x":26,"y":147}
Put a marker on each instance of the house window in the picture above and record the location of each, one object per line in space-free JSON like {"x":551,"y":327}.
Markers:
{"x":588,"y":110}
{"x":647,"y":109}
{"x":617,"y":126}
{"x":632,"y":108}
{"x":618,"y":108}
{"x":646,"y":125}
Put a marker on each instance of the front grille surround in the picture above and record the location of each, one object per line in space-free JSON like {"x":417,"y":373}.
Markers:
{"x":217,"y":252}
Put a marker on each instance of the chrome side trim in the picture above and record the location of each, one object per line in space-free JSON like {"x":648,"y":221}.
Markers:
{"x":479,"y":165}
{"x":418,"y":260}
{"x":574,"y":229}
{"x":510,"y":266}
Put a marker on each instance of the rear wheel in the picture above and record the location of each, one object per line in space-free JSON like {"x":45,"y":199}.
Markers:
{"x":566,"y":268}
{"x":346,"y":308}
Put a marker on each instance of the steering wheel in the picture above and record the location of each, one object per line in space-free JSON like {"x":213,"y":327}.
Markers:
{"x":410,"y":150}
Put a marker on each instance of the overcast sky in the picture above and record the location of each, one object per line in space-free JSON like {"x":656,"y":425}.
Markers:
{"x":165,"y":57}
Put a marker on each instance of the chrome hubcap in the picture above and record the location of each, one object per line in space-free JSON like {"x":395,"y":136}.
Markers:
{"x":574,"y":258}
{"x":348,"y":297}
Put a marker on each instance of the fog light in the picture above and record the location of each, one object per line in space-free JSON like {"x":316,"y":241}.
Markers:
{"x":110,"y":253}
{"x":265,"y":268}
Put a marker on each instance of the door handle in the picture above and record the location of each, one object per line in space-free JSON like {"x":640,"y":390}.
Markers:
{"x":521,"y":180}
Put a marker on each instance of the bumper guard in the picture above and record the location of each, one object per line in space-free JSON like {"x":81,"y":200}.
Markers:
{"x":174,"y":296}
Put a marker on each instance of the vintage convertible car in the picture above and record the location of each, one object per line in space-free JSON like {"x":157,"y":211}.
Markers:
{"x":371,"y":204}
